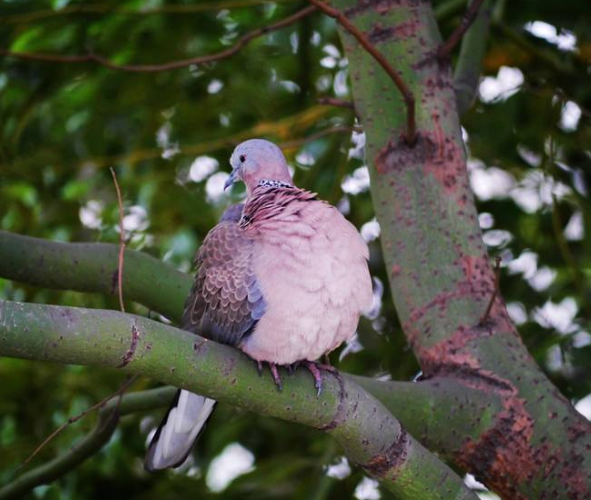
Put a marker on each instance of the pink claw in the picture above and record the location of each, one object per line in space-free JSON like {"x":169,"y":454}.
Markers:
{"x":314,"y":370}
{"x":276,"y":377}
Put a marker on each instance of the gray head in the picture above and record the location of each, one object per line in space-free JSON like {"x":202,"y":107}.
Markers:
{"x":256,"y":160}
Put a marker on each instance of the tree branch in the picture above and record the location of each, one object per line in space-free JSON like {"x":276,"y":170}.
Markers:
{"x":90,"y":444}
{"x":407,"y":95}
{"x":467,"y":20}
{"x":92,"y":267}
{"x":369,"y":434}
{"x":443,"y":413}
{"x":154,"y":68}
{"x":71,"y":420}
{"x":333,"y":101}
{"x":440,"y":273}
{"x":469,"y":64}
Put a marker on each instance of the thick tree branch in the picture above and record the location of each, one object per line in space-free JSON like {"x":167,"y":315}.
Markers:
{"x":439,"y":271}
{"x":169,"y":66}
{"x":90,"y":444}
{"x":469,"y":64}
{"x":442,"y":413}
{"x":369,"y":434}
{"x":92,"y":267}
{"x":407,"y":95}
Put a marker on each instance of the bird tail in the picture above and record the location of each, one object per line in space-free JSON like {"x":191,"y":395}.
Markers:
{"x":178,"y":431}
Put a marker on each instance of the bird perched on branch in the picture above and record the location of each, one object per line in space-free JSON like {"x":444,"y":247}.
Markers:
{"x":284,"y":278}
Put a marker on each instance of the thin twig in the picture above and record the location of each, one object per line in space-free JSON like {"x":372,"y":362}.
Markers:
{"x":467,"y":20}
{"x":495,"y":291}
{"x":333,"y":101}
{"x":75,"y":418}
{"x":407,"y":95}
{"x":89,"y":445}
{"x":130,"y":380}
{"x":121,"y":242}
{"x":153,"y":68}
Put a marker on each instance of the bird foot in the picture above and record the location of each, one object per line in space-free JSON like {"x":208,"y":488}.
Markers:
{"x":314,"y":368}
{"x":276,"y":377}
{"x":274,"y":373}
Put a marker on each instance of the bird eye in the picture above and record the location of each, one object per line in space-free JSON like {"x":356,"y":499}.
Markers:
{"x":242,"y":158}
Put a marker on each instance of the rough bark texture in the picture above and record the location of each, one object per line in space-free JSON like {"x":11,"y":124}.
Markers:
{"x":537,"y":446}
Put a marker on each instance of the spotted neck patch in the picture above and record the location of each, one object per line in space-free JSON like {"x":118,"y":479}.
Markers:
{"x":272,"y":183}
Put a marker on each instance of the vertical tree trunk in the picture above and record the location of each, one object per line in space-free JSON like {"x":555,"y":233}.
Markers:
{"x":537,"y":446}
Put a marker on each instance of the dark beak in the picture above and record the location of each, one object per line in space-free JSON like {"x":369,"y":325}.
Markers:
{"x":232,"y":179}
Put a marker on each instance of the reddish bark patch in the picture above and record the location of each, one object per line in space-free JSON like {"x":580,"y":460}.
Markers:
{"x":229,"y":365}
{"x":382,"y":7}
{"x":477,"y":282}
{"x":391,"y":460}
{"x":198,"y":345}
{"x":397,"y":155}
{"x":447,"y":165}
{"x":454,"y":356}
{"x":380,"y":33}
{"x":126,"y":358}
{"x":340,"y":414}
{"x":396,"y":269}
{"x":503,"y":457}
{"x":574,"y":478}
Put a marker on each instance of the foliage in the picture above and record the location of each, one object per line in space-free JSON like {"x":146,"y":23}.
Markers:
{"x":63,"y":125}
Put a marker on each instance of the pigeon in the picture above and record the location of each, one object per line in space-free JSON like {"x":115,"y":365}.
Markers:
{"x":283,"y":277}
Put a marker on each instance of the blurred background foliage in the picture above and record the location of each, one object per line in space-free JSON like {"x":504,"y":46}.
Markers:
{"x":169,"y":135}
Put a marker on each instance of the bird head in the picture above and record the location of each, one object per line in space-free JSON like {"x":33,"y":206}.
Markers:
{"x":256,"y":160}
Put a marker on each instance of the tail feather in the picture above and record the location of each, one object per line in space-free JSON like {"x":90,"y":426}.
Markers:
{"x":178,"y":431}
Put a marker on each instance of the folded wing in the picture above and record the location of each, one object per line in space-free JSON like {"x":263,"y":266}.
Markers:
{"x":224,"y":305}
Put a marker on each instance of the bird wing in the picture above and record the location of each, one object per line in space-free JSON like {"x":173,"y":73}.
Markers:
{"x":224,"y":305}
{"x":225,"y":302}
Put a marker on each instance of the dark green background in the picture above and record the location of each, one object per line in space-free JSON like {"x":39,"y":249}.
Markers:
{"x":63,"y":125}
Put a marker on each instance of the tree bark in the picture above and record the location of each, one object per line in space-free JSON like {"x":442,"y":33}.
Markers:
{"x":537,"y":446}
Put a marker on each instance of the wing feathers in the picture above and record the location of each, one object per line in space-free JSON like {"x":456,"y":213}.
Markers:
{"x":225,"y":302}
